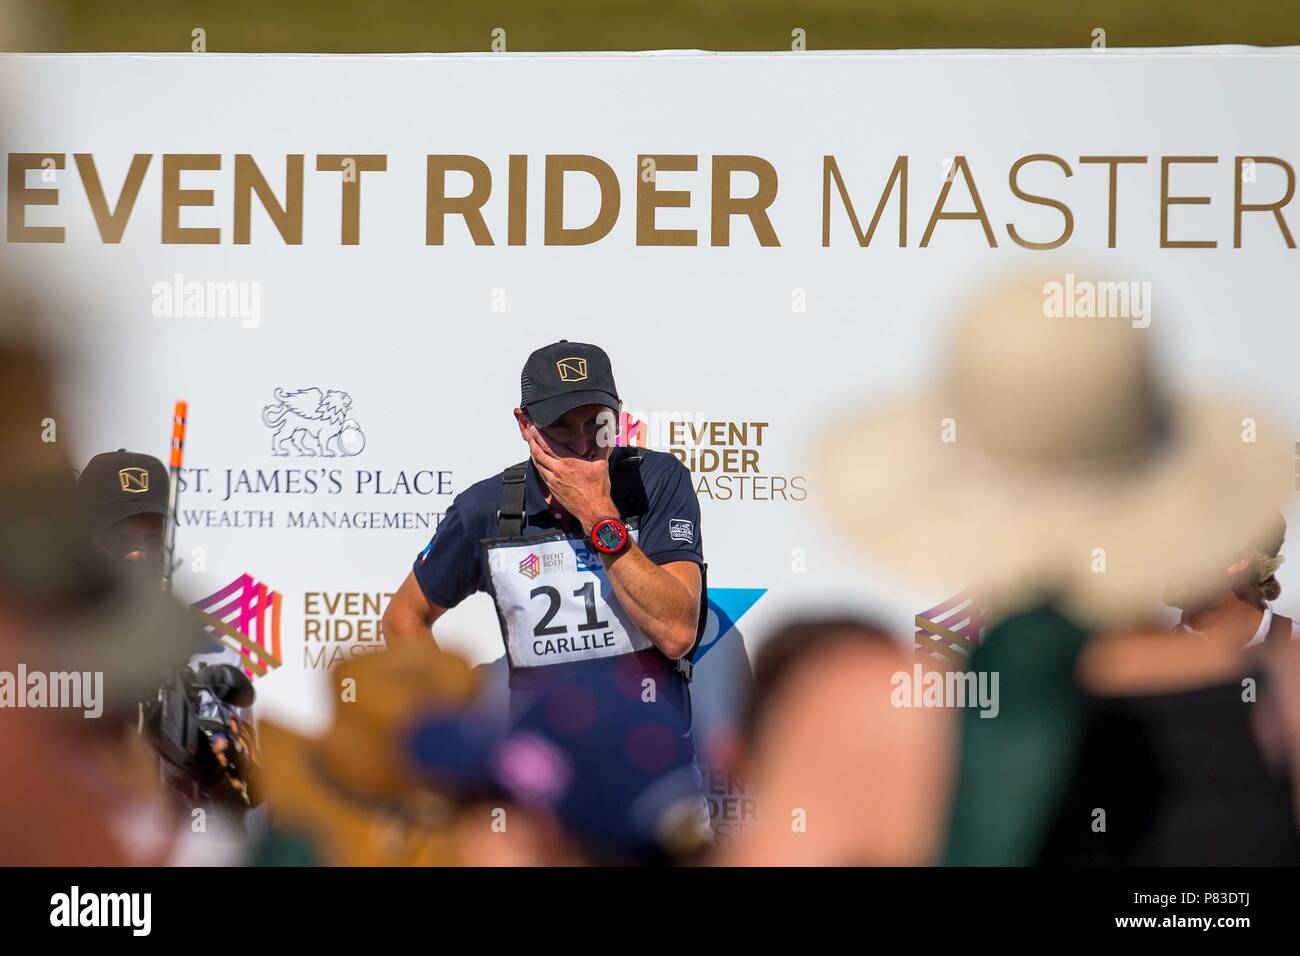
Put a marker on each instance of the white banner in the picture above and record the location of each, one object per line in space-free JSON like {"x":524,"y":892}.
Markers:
{"x":341,"y":263}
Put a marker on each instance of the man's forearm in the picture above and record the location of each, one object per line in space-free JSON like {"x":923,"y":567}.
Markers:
{"x":659,"y":604}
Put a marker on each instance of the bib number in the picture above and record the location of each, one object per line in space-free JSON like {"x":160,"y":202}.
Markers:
{"x":588,"y":594}
{"x":556,"y":603}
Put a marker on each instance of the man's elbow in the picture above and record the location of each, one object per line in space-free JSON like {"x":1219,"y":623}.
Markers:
{"x":678,"y":641}
{"x":391,"y":624}
{"x":402,"y":624}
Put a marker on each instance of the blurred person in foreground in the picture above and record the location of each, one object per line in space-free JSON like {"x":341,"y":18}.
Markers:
{"x":842,"y":777}
{"x":589,"y":773}
{"x":412,"y":773}
{"x":349,"y":796}
{"x":77,"y":788}
{"x":1076,"y":486}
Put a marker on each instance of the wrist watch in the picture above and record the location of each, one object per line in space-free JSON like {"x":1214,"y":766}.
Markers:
{"x":609,"y":536}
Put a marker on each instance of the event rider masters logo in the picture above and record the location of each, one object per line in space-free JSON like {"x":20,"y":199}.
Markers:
{"x":339,"y":625}
{"x":725,"y":457}
{"x":312,"y":434}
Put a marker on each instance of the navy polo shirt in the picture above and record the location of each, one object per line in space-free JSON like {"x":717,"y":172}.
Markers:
{"x":452,"y":565}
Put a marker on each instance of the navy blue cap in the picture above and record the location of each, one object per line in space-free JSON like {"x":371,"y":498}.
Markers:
{"x":616,"y":772}
{"x":563,"y":376}
{"x":119,"y":484}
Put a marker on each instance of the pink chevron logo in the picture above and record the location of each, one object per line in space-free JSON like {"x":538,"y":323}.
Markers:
{"x":244,"y":616}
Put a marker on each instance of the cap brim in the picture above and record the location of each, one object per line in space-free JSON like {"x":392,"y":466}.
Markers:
{"x":548,"y":411}
{"x":115,"y":511}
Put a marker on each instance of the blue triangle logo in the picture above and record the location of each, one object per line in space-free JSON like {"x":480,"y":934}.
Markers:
{"x":726,"y":607}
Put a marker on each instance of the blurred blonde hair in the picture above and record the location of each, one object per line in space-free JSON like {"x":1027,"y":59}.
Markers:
{"x":1265,"y":569}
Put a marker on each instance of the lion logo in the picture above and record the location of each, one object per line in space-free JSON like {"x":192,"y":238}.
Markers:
{"x":313,"y":423}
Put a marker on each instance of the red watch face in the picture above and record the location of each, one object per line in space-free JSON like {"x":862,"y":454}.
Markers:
{"x":609,"y":535}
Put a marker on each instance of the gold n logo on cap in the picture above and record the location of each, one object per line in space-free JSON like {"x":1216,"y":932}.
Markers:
{"x":572,"y":369}
{"x":133,"y":480}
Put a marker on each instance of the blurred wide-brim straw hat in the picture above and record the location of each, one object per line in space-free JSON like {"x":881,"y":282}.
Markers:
{"x":1046,"y":460}
{"x":351,"y":792}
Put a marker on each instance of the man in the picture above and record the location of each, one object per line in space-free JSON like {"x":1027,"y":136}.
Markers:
{"x":200,"y":722}
{"x":124,"y":495}
{"x":591,"y":552}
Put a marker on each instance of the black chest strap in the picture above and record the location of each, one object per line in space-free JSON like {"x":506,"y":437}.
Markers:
{"x":510,"y":516}
{"x":625,"y":484}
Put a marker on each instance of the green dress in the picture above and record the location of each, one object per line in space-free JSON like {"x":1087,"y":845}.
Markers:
{"x":1014,"y":769}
